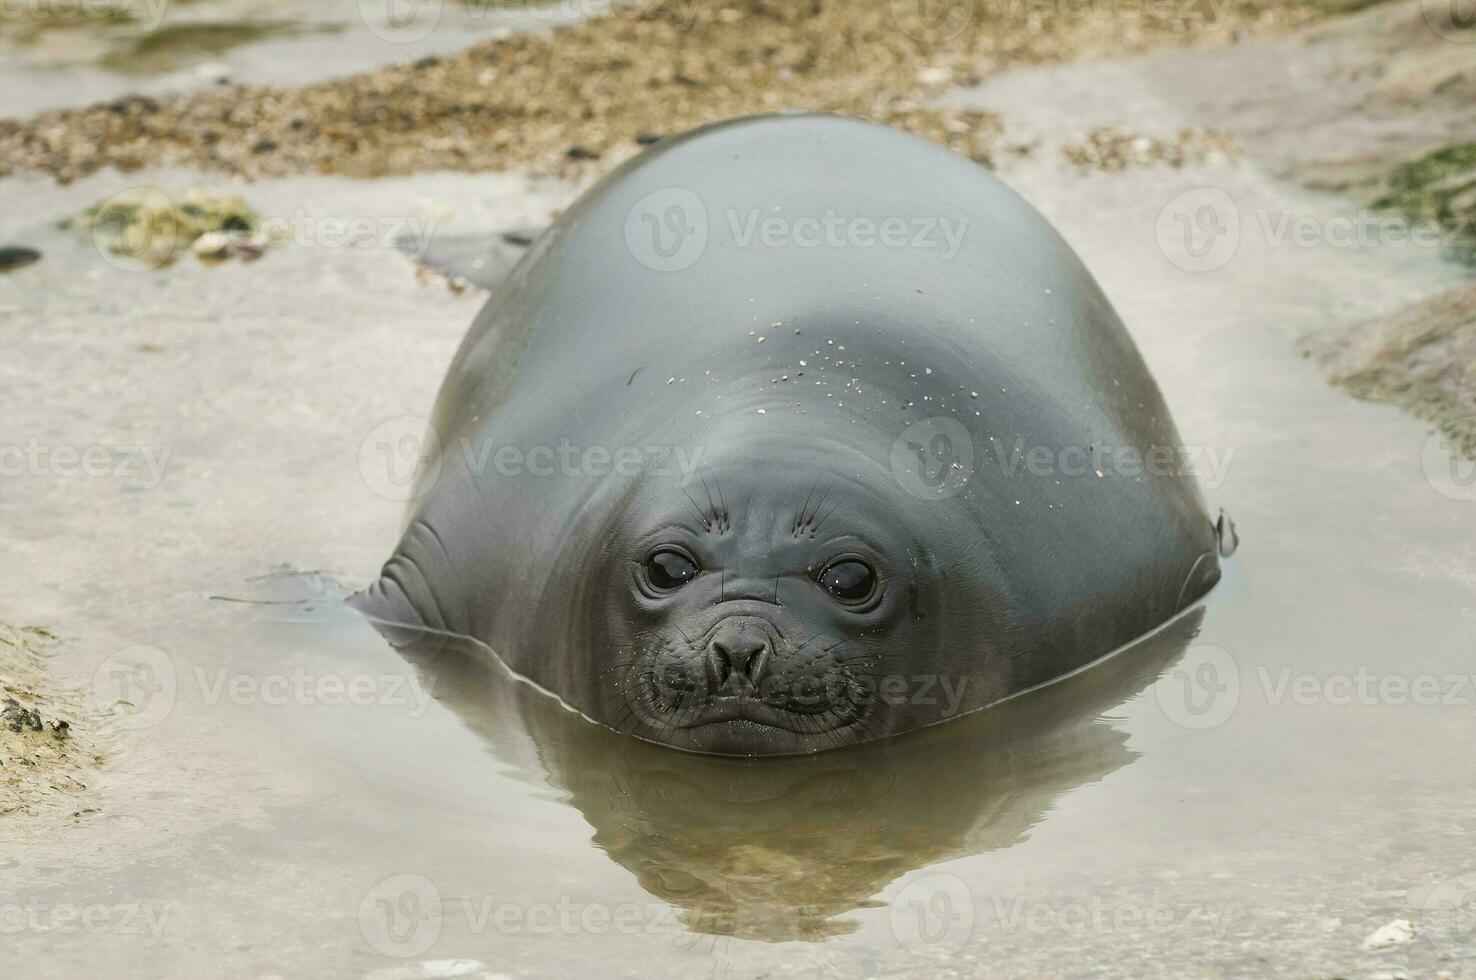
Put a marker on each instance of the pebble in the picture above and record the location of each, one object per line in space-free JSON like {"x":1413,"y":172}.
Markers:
{"x":1394,"y":933}
{"x":14,"y":257}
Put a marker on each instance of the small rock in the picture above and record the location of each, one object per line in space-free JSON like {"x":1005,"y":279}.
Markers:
{"x":214,"y":72}
{"x":214,"y":245}
{"x":18,"y":719}
{"x":1395,"y":933}
{"x":251,"y":249}
{"x":17,"y":257}
{"x":520,"y":236}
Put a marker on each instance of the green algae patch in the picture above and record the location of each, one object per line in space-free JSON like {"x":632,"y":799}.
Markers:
{"x":1440,"y":187}
{"x":175,"y":46}
{"x":154,"y":228}
{"x":28,"y":23}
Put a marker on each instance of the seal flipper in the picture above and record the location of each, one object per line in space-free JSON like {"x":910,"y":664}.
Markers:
{"x":1205,"y":572}
{"x":402,"y":596}
{"x":1226,"y":534}
{"x":481,"y":259}
{"x":1203,"y":575}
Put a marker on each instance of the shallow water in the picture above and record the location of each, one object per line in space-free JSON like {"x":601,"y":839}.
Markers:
{"x":70,"y":58}
{"x":1234,"y":803}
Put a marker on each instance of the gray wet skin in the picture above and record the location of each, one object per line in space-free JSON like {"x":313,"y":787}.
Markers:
{"x":799,"y":562}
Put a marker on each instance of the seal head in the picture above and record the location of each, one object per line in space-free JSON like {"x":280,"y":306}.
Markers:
{"x":773,"y":604}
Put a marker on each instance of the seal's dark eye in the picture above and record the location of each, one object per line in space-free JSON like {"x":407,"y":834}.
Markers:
{"x":848,"y":581}
{"x":669,"y":570}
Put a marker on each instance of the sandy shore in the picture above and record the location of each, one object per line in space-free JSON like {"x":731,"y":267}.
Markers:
{"x":582,"y":97}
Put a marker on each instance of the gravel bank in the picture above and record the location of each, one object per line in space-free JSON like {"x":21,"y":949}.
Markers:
{"x":583,"y":96}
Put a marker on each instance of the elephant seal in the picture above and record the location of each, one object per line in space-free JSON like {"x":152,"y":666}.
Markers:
{"x":796,"y":432}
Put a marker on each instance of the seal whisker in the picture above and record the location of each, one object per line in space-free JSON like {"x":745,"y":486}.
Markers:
{"x":819,"y":503}
{"x":722,"y":501}
{"x":618,"y":666}
{"x":804,"y":508}
{"x":833,"y":508}
{"x":711,"y":506}
{"x":697,"y":510}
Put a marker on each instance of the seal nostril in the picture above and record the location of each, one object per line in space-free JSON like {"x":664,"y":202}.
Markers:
{"x":737,"y":663}
{"x":758,"y":664}
{"x":719,"y":665}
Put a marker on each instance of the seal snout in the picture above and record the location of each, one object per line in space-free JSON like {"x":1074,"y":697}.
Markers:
{"x":737,"y":658}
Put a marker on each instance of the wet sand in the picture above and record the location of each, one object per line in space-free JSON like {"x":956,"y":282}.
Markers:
{"x":53,"y":56}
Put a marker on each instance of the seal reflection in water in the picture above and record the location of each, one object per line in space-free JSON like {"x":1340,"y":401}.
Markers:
{"x":752,"y":488}
{"x":783,"y":849}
